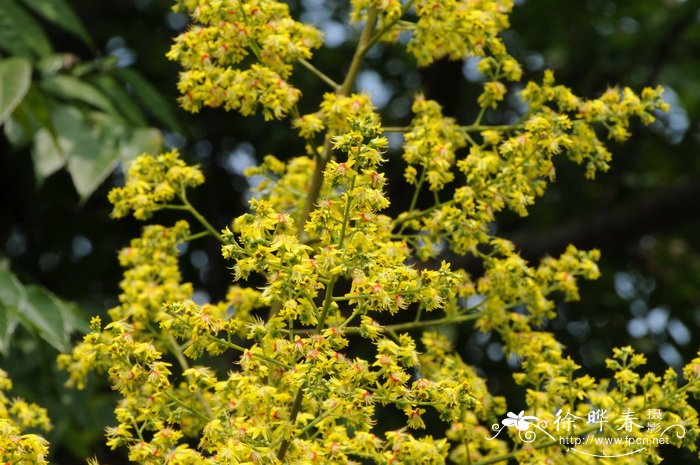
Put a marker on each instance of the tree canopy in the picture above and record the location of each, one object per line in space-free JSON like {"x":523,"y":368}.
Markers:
{"x":85,"y":87}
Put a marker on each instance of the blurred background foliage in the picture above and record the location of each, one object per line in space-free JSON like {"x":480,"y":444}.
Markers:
{"x":84,"y":87}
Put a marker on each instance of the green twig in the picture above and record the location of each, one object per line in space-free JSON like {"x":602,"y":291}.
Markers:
{"x":344,"y":89}
{"x":193,"y":211}
{"x":420,"y":213}
{"x":197,"y":236}
{"x":411,"y":325}
{"x":179,"y":356}
{"x":467,"y":128}
{"x":320,"y":74}
{"x":369,"y":296}
{"x":346,"y":213}
{"x":260,"y":356}
{"x":178,"y":401}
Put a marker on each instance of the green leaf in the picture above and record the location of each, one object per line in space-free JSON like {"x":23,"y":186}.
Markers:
{"x":47,"y":155}
{"x":12,"y":297}
{"x":70,"y":316}
{"x":121,"y":99}
{"x":8,"y":323}
{"x":62,"y":15}
{"x":4,"y":329}
{"x":149,"y":96}
{"x":50,"y":150}
{"x":15,"y":132}
{"x":29,"y":117}
{"x":20,"y":34}
{"x":15,"y":78}
{"x":36,"y":309}
{"x":11,"y":290}
{"x":88,"y":145}
{"x":41,"y":311}
{"x":73,"y":317}
{"x":57,"y":62}
{"x":140,"y":140}
{"x":71,"y":88}
{"x":94,"y":154}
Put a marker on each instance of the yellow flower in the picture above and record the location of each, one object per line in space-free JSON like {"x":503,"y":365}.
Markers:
{"x":269,"y":373}
{"x":457,"y":29}
{"x":153,"y":182}
{"x":226,"y":33}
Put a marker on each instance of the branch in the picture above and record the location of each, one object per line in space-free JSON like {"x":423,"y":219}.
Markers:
{"x":345,"y":88}
{"x":315,"y":190}
{"x":616,"y":225}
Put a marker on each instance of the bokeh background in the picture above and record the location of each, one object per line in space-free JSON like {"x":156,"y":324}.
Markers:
{"x":57,"y":240}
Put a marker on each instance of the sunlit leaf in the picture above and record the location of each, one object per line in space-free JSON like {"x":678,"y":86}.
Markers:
{"x":29,"y":117}
{"x":50,"y":152}
{"x":8,"y":323}
{"x":71,"y":88}
{"x":94,"y":154}
{"x":15,"y":78}
{"x":41,"y":311}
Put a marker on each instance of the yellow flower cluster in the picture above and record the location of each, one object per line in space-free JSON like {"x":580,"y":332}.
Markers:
{"x":335,"y":114}
{"x":214,"y":50}
{"x":512,"y":165}
{"x":153,"y":182}
{"x":439,"y":362}
{"x":456,"y":29}
{"x":255,"y":403}
{"x":549,"y":103}
{"x":431,"y":144}
{"x":510,"y":282}
{"x":316,"y":277}
{"x":152,"y":274}
{"x":16,"y":416}
{"x":152,"y":278}
{"x":553,"y":387}
{"x":296,"y":389}
{"x":496,"y":68}
{"x":284,"y":185}
{"x":137,"y":372}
